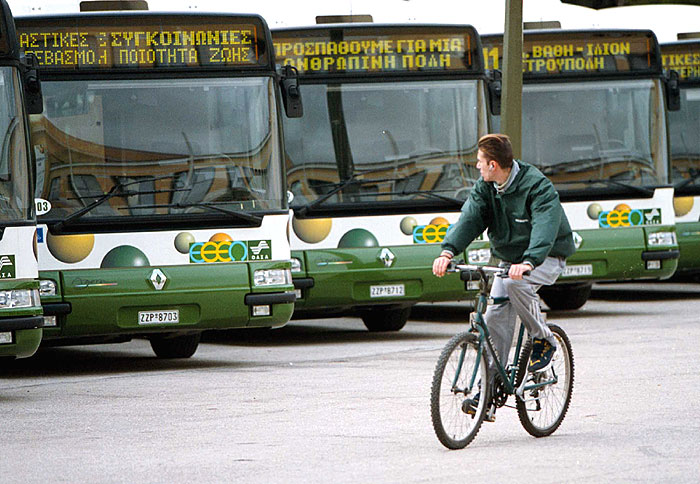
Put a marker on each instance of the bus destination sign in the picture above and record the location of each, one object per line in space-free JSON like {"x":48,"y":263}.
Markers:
{"x":575,"y":53}
{"x":374,"y":50}
{"x":142,"y":43}
{"x":684,"y":58}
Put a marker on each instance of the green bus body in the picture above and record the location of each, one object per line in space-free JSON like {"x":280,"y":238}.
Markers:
{"x":684,"y":126}
{"x":378,"y":164}
{"x":594,"y":121}
{"x":342,"y":289}
{"x":210,"y":297}
{"x":160,"y":153}
{"x":21,"y":318}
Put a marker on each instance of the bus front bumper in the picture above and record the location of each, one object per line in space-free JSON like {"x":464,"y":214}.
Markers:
{"x":15,"y":324}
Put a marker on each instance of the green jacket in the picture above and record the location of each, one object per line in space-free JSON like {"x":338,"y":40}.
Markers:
{"x":525,"y":223}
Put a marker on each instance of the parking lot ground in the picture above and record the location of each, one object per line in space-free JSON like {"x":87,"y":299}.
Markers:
{"x":327,"y":401}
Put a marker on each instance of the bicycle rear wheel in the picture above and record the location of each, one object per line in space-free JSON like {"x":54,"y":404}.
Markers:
{"x":545,"y":407}
{"x":460,"y":374}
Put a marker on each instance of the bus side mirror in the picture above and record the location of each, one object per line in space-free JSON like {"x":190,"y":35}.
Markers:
{"x":291,"y":94}
{"x":32,"y":87}
{"x":673,"y":91}
{"x":495,"y":86}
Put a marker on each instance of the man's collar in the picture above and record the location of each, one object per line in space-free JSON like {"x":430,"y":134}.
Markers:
{"x":500,"y":189}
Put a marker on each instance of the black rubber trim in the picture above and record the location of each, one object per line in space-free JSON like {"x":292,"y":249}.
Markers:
{"x":661,"y":254}
{"x":270,"y":298}
{"x":13,"y":324}
{"x":303,"y":283}
{"x":56,"y":309}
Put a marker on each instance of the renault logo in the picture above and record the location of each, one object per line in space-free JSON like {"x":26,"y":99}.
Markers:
{"x":387,"y":257}
{"x":578,"y":240}
{"x":158,"y":279}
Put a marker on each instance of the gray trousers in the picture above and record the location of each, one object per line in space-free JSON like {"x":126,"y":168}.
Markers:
{"x":523,"y":302}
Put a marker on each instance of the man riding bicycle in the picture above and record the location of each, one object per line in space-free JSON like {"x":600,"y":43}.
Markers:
{"x":527,"y":228}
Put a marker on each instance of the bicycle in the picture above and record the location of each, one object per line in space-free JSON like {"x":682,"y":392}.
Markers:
{"x":542,"y":398}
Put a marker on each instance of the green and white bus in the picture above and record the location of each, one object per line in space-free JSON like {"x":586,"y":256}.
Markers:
{"x":684,"y":127}
{"x":594,"y":121}
{"x":21,"y":318}
{"x":160,"y":155}
{"x":379,"y":164}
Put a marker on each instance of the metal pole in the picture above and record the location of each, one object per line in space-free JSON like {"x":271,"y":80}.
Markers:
{"x":511,"y":116}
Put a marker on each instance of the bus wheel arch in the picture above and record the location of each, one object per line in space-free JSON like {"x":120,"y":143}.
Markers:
{"x":566,"y":297}
{"x":385,"y":318}
{"x":175,"y":346}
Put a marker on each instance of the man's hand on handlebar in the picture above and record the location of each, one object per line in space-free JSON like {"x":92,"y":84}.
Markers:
{"x":440,"y":265}
{"x":517,"y":271}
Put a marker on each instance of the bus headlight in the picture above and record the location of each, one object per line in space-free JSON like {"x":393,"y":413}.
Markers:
{"x":272,"y":277}
{"x":47,"y":287}
{"x":19,"y":298}
{"x":479,"y":256}
{"x":296,"y":265}
{"x":661,"y":238}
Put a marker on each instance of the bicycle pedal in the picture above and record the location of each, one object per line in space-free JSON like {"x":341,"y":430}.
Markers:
{"x":490,"y":415}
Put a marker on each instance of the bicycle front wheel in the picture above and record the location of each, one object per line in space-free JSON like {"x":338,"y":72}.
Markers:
{"x":547,"y":393}
{"x":460,"y":374}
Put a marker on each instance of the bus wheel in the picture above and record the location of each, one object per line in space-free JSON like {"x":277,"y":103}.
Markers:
{"x":382,"y":319}
{"x":566,"y":296}
{"x":175,"y":346}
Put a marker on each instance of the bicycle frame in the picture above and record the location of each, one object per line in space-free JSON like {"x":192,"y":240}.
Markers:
{"x":509,"y":374}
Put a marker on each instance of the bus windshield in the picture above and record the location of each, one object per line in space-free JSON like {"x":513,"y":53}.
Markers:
{"x":596,"y":134}
{"x":15,"y":199}
{"x":384,"y":142}
{"x":685,"y":139}
{"x":159,"y":147}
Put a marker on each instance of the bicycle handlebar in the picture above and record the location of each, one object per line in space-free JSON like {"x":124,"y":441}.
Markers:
{"x":499,"y":271}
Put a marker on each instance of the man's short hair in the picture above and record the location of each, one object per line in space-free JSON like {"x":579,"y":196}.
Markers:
{"x":497,"y":147}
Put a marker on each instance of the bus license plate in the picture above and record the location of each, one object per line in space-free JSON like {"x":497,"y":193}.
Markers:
{"x":168,"y":316}
{"x":578,"y":270}
{"x":387,"y":290}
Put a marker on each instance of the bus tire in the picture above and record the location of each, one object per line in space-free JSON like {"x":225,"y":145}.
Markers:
{"x":566,"y":297}
{"x":175,"y":346}
{"x":383,"y":319}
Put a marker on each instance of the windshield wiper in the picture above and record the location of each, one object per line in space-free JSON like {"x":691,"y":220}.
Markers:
{"x":241,"y":215}
{"x":590,"y":163}
{"x":694,"y":175}
{"x":433,"y":194}
{"x":342,"y":186}
{"x":117,"y":190}
{"x":644,"y":190}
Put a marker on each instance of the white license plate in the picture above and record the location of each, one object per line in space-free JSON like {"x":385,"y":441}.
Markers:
{"x":168,"y":316}
{"x":578,"y":270}
{"x":387,"y":290}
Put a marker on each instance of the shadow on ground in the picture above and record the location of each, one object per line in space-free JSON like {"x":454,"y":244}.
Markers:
{"x":441,"y":313}
{"x":90,"y":360}
{"x":645,"y":292}
{"x":315,"y":332}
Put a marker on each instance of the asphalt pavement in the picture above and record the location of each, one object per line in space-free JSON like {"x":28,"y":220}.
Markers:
{"x":325,"y":401}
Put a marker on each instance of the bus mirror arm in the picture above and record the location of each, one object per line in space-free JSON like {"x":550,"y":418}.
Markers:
{"x":291,"y":94}
{"x":495,"y":86}
{"x":672,"y":90}
{"x":32,"y":86}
